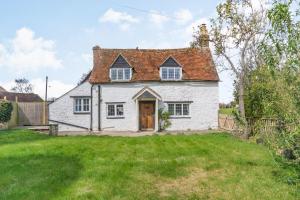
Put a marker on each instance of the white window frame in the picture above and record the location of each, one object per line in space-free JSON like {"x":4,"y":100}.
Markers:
{"x":81,"y":105}
{"x":115,"y":110}
{"x":123,"y":74}
{"x":174,"y":115}
{"x":168,"y":72}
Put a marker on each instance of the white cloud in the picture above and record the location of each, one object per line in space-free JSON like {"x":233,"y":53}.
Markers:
{"x":191,"y":28}
{"x":26,"y":53}
{"x":121,"y":18}
{"x":56,"y":87}
{"x":157,"y":18}
{"x":183,"y":16}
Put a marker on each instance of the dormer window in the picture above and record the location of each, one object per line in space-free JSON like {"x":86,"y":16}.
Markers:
{"x":120,"y":70}
{"x":120,"y":74}
{"x":170,"y":70}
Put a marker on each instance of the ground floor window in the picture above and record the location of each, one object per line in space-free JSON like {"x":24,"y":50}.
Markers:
{"x":179,"y":109}
{"x":81,"y":105}
{"x":115,"y":110}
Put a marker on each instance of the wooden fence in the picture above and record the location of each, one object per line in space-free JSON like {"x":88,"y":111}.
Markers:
{"x":27,"y":114}
{"x":32,"y":113}
{"x":263,"y":125}
{"x":227,"y":122}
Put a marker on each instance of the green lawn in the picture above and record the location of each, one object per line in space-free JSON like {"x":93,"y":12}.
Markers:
{"x":215,"y":166}
{"x":226,"y":111}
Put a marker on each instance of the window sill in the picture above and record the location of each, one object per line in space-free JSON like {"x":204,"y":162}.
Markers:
{"x":180,"y":117}
{"x":120,"y":81}
{"x":81,"y":113}
{"x":171,"y":80}
{"x":115,"y":117}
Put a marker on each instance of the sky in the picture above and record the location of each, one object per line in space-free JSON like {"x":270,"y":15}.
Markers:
{"x":55,"y":38}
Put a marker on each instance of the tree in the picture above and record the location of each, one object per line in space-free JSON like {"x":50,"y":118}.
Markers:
{"x":235,"y":34}
{"x":22,"y":86}
{"x":83,"y":77}
{"x":273,"y":87}
{"x":5,"y":111}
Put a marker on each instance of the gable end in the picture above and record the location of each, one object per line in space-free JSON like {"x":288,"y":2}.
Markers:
{"x":170,"y":62}
{"x":120,"y":62}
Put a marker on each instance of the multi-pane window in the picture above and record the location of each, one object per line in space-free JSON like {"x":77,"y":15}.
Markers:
{"x":120,"y":74}
{"x":115,"y":110}
{"x":171,"y":73}
{"x":179,"y":109}
{"x":82,"y":105}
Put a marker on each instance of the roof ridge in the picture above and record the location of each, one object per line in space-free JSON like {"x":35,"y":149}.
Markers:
{"x":135,"y":49}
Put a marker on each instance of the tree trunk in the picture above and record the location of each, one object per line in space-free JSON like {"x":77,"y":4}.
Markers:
{"x":242,"y":107}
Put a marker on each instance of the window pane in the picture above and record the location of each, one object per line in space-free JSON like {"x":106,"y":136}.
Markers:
{"x":120,"y":111}
{"x":120,"y":74}
{"x":127,"y":74}
{"x":171,"y":73}
{"x":178,"y":109}
{"x":86,"y":105}
{"x":110,"y":110}
{"x":185,"y":109}
{"x":164,"y":73}
{"x":171,"y":109}
{"x":177,"y":73}
{"x":77,"y":105}
{"x":113,"y":74}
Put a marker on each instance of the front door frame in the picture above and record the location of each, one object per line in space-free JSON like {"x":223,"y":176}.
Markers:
{"x":155,"y":113}
{"x":152,"y":103}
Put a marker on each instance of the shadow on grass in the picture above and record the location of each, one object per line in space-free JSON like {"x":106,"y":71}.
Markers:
{"x":15,"y":136}
{"x":37,"y":176}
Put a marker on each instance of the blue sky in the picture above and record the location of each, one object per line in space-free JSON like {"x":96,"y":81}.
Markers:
{"x":55,"y":38}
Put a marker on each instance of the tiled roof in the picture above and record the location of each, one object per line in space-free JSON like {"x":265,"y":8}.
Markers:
{"x":2,"y":89}
{"x":197,"y":63}
{"x":22,"y":97}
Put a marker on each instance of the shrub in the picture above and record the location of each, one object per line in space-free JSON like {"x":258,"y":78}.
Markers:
{"x":164,"y":121}
{"x":5,"y":111}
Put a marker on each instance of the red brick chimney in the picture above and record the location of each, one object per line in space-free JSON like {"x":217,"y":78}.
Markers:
{"x":204,"y":37}
{"x":96,"y":55}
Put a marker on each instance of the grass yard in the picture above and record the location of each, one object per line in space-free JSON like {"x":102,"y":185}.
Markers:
{"x":226,"y":111}
{"x":215,"y":166}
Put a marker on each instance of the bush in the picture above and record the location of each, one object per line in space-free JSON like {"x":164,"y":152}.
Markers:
{"x":6,"y":109}
{"x":164,"y":121}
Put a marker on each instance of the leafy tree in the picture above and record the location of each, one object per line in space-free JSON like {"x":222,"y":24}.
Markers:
{"x":235,"y":33}
{"x":272,"y":89}
{"x":5,"y":111}
{"x":22,"y":86}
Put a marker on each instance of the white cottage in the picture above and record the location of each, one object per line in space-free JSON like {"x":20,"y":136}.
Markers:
{"x":127,"y":87}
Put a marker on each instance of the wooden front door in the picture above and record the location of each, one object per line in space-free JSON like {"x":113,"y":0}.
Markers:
{"x":147,"y":113}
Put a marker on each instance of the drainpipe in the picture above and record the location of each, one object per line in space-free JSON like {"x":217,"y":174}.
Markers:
{"x":91,"y":122}
{"x":99,"y":108}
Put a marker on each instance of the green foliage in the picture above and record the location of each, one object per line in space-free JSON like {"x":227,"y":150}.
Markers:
{"x":5,"y":111}
{"x":272,"y":88}
{"x":164,"y":117}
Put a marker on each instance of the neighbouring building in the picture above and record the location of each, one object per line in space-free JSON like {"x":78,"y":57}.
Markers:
{"x":19,"y":97}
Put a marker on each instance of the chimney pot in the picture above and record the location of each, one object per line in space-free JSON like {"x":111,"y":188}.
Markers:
{"x":96,"y":47}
